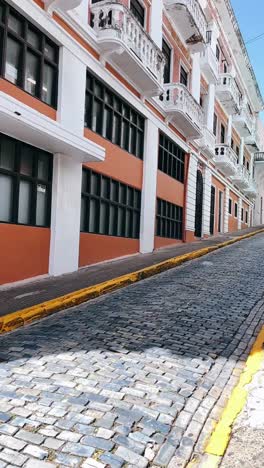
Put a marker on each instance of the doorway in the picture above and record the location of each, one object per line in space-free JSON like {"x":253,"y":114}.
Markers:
{"x":199,"y":204}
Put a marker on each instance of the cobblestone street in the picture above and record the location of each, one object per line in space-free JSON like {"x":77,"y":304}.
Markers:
{"x":136,"y":378}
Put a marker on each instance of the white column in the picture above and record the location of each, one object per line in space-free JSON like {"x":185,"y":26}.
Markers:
{"x":82,"y":11}
{"x":149,"y":188}
{"x":241,"y":151}
{"x":209,"y":107}
{"x":191,"y":194}
{"x":226,"y":210}
{"x":65,"y":215}
{"x":207,"y":201}
{"x":196,"y":76}
{"x":239,"y":222}
{"x":71,"y":100}
{"x":229,"y":130}
{"x":249,"y":216}
{"x":251,"y":166}
{"x":156,"y":22}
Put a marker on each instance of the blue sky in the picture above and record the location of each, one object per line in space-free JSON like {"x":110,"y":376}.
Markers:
{"x":250,"y":15}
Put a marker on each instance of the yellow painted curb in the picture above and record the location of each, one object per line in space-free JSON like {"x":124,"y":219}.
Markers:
{"x":220,"y":437}
{"x":22,"y":317}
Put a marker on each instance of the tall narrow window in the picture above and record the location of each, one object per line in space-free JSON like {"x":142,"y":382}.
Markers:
{"x":217,"y":53}
{"x":215,"y":125}
{"x":223,"y":130}
{"x":169,"y":220}
{"x":184,"y":77}
{"x":171,"y":158}
{"x":29,"y":59}
{"x":236,"y":210}
{"x":167,"y":55}
{"x":138,"y":11}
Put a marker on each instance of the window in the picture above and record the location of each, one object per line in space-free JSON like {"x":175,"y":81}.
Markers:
{"x":171,"y":158}
{"x":232,"y":143}
{"x":242,"y":214}
{"x":248,"y":165}
{"x":167,"y":55}
{"x":237,"y":150}
{"x":209,"y":37}
{"x":244,"y":160}
{"x":236,"y":210}
{"x":222,"y":133}
{"x":29,"y":57}
{"x":230,"y":206}
{"x":138,"y":11}
{"x":217,"y":52}
{"x":169,"y":220}
{"x":109,"y":207}
{"x":225,"y":67}
{"x":184,"y":77}
{"x":111,"y":117}
{"x":25,"y":183}
{"x":215,"y":125}
{"x":246,"y":217}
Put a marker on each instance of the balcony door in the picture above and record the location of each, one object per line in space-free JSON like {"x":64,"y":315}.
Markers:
{"x":220,"y":210}
{"x":199,"y":204}
{"x":212,"y":210}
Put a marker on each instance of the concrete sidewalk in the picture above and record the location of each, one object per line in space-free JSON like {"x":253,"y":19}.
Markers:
{"x":28,"y":294}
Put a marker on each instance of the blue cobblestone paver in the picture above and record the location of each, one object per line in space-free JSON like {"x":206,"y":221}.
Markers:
{"x":138,"y":377}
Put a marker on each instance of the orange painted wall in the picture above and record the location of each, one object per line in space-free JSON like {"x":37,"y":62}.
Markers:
{"x":118,"y":163}
{"x":97,"y":248}
{"x":165,"y":242}
{"x":232,"y":221}
{"x":24,"y":252}
{"x":170,"y":189}
{"x":25,"y":98}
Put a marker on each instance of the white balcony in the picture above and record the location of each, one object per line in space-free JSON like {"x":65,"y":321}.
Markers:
{"x":122,"y":38}
{"x":253,"y":141}
{"x":228,"y":93}
{"x":183,"y":110}
{"x":226,"y":159}
{"x":64,"y":5}
{"x":189,"y":21}
{"x":244,"y":122}
{"x":241,"y":179}
{"x":252,"y":190}
{"x":207,"y":143}
{"x":210,"y":64}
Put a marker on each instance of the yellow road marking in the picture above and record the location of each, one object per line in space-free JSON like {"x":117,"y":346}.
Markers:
{"x":22,"y":317}
{"x":221,"y":435}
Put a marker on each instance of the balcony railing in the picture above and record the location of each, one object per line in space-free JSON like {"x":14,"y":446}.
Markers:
{"x":259,"y":156}
{"x":244,"y":122}
{"x":253,"y":141}
{"x":207,"y":143}
{"x":122,"y":37}
{"x":209,"y":64}
{"x":189,"y":20}
{"x":228,"y":93}
{"x":241,"y":178}
{"x":181,"y":108}
{"x":226,"y":159}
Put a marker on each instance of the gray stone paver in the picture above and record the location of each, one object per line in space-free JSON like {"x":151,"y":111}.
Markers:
{"x":138,"y":377}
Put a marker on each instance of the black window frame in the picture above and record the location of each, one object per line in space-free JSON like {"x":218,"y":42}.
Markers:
{"x":112,"y":199}
{"x":138,"y":11}
{"x":236,"y":210}
{"x":125,"y":126}
{"x":222,"y":134}
{"x":166,"y":50}
{"x":184,"y":76}
{"x":37,"y":183}
{"x":171,"y":158}
{"x":217,"y":52}
{"x":169,"y":220}
{"x":242,"y":214}
{"x":27,"y":48}
{"x":230,"y":203}
{"x":215,"y":124}
{"x":246,"y":216}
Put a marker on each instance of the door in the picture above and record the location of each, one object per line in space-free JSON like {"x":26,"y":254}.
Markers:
{"x":212,"y":210}
{"x":220,"y":211}
{"x":199,"y":204}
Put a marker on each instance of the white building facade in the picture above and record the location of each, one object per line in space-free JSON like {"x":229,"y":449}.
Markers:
{"x":124,"y":127}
